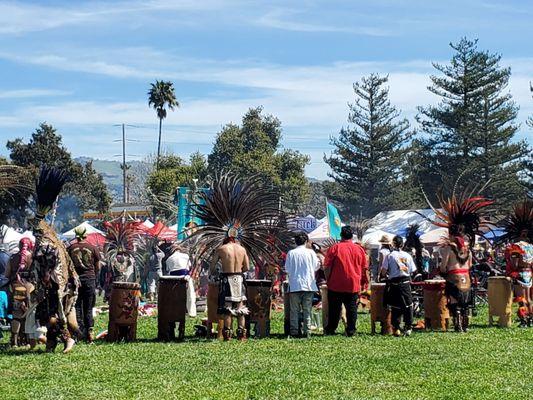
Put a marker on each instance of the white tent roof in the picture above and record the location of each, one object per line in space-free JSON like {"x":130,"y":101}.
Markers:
{"x":321,"y":232}
{"x":434,"y":236}
{"x":174,"y":227}
{"x":395,"y":222}
{"x":12,"y":236}
{"x":372,"y":238}
{"x":84,"y":225}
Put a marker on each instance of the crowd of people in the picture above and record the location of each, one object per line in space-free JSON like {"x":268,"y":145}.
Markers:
{"x":50,"y":287}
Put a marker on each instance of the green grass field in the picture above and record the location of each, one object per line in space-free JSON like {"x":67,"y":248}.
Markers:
{"x":486,"y":363}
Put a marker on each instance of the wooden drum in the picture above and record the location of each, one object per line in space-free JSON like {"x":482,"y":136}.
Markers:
{"x":259,"y":302}
{"x":212,"y":310}
{"x":436,"y":313}
{"x":500,"y":296}
{"x":123,"y":311}
{"x":378,"y":311}
{"x":172,"y":307}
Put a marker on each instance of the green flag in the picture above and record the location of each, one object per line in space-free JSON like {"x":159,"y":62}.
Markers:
{"x":334,"y":221}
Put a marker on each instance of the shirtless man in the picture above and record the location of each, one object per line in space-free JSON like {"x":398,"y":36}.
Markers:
{"x":455,"y":264}
{"x":232,"y":293}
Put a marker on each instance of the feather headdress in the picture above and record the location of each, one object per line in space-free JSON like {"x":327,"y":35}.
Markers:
{"x":463,"y":214}
{"x":360,"y":226}
{"x":519,"y":225}
{"x":412,"y":241}
{"x":244,"y":210}
{"x":49,"y":184}
{"x":121,"y":236}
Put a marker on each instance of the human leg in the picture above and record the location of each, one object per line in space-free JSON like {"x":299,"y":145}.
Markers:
{"x":334,"y":312}
{"x":307,"y":305}
{"x":350,"y":303}
{"x":295,"y":299}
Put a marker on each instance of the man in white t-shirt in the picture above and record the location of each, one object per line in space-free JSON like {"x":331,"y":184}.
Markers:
{"x":301,"y":265}
{"x":179,"y":264}
{"x":397,"y":268}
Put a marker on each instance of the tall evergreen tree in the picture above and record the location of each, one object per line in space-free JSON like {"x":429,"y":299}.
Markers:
{"x":368,"y":156}
{"x":469,"y":133}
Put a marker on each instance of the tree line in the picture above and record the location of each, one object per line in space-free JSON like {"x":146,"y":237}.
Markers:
{"x":379,"y":160}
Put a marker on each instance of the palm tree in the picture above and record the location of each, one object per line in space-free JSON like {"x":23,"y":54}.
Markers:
{"x":160,"y":96}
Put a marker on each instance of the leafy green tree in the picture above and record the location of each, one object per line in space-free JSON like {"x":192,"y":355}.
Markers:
{"x":173,"y":172}
{"x":86,"y":186}
{"x":368,"y":156}
{"x":469,"y":134}
{"x":254,"y":149}
{"x":160,"y":97}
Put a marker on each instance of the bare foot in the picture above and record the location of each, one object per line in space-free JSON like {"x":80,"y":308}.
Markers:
{"x":69,"y":345}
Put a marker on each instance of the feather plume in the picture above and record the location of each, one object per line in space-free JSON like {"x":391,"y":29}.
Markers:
{"x":243,"y":209}
{"x":519,"y":225}
{"x":467,"y":212}
{"x":49,"y":184}
{"x":412,"y":241}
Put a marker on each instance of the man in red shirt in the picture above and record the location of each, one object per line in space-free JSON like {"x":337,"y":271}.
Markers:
{"x":346,"y":264}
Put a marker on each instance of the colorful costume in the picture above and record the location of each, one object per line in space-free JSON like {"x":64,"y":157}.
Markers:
{"x":238,"y":210}
{"x":519,"y":258}
{"x":52,"y":272}
{"x":461,"y":214}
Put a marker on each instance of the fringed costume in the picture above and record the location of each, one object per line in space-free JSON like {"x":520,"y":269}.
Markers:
{"x":56,"y":282}
{"x":464,"y":217}
{"x":237,"y":213}
{"x":519,"y":258}
{"x":122,"y":237}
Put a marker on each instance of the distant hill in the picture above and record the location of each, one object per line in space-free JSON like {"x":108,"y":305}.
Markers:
{"x":111,"y":172}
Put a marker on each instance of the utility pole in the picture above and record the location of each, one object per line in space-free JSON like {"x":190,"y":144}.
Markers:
{"x":124,"y":167}
{"x":124,"y":196}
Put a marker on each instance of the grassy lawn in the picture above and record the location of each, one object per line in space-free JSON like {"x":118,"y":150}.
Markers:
{"x":486,"y":363}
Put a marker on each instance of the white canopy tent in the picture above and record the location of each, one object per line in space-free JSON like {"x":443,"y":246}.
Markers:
{"x":321,"y":232}
{"x":10,"y":235}
{"x":397,"y":221}
{"x":84,"y":225}
{"x":372,"y":238}
{"x":434,"y":236}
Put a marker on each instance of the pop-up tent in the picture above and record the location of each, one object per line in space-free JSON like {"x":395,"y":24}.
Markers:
{"x":84,"y":225}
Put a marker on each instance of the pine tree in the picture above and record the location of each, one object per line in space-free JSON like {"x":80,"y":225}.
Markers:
{"x":469,"y":133}
{"x":369,"y":154}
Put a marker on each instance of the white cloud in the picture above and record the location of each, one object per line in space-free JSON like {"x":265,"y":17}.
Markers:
{"x":31,"y":93}
{"x":277,"y":19}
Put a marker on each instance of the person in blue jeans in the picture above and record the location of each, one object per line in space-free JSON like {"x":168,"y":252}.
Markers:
{"x":301,"y":265}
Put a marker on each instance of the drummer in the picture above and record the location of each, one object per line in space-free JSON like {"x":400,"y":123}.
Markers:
{"x":397,"y":269}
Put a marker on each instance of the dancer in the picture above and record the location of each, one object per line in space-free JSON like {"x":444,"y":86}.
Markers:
{"x":519,"y":258}
{"x":464,"y":216}
{"x":241,"y":220}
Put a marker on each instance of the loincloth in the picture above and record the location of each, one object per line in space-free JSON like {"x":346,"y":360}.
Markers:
{"x":231,"y":294}
{"x":457,"y":289}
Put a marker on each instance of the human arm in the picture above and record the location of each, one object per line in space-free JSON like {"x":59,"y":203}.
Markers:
{"x":246,"y":263}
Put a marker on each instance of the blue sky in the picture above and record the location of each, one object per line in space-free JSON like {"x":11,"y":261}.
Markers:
{"x":86,"y":66}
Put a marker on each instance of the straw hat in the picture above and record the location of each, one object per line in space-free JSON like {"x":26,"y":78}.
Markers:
{"x":385,"y":240}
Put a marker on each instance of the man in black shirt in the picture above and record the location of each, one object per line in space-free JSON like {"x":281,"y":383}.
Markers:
{"x":86,"y":259}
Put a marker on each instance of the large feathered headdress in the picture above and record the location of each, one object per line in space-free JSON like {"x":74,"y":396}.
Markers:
{"x":49,"y":184}
{"x":519,"y":225}
{"x":244,"y":210}
{"x":121,"y":236}
{"x":463,"y":215}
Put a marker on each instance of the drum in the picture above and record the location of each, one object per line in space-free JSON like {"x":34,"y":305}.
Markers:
{"x":378,"y":311}
{"x":171,"y":307}
{"x":123,"y":311}
{"x":212,"y":310}
{"x":500,"y":296}
{"x":259,"y":302}
{"x":436,"y":313}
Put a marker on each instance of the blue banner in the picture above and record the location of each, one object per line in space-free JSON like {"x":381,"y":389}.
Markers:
{"x":186,"y":198}
{"x":334,"y":221}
